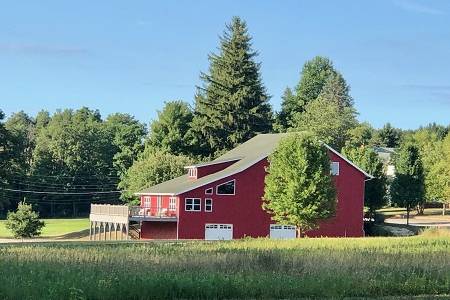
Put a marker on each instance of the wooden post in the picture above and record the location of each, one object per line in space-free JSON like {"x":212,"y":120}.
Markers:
{"x":127,"y":229}
{"x":115,"y":232}
{"x":90,"y":230}
{"x":104,"y":231}
{"x":110,"y":233}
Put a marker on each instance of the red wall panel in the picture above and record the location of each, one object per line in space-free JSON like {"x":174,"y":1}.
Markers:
{"x":159,"y":230}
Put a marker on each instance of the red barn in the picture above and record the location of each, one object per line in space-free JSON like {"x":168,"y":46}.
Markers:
{"x":222,"y":199}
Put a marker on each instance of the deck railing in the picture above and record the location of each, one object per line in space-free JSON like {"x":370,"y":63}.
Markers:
{"x":153,"y":212}
{"x":109,"y":210}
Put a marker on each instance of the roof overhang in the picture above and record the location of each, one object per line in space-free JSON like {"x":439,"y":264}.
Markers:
{"x":214,"y":162}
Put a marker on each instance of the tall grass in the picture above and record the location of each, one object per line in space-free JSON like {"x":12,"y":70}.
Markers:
{"x":260,"y":268}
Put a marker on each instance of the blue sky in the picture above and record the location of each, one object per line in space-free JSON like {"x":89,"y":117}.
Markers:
{"x":131,"y":56}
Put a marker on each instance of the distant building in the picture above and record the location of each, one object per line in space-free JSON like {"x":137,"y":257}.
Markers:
{"x":385,"y":154}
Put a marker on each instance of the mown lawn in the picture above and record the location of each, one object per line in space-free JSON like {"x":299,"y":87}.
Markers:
{"x":53,"y":227}
{"x":253,"y":268}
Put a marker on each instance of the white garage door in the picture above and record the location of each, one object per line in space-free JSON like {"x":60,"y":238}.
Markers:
{"x":282,"y":231}
{"x":215,"y":232}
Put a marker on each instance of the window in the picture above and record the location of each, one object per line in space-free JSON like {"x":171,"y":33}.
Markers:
{"x":334,"y":168}
{"x":192,"y":204}
{"x":209,"y":191}
{"x":147,"y":201}
{"x":208,"y":205}
{"x":192,"y":172}
{"x":172,"y":203}
{"x":227,"y":188}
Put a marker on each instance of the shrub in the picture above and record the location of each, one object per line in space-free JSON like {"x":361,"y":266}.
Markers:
{"x":24,"y":223}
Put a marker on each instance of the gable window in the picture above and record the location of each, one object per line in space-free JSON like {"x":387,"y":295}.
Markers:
{"x":172,"y":203}
{"x":192,"y":172}
{"x":192,"y":204}
{"x":147,"y":201}
{"x":209,"y":191}
{"x":227,"y":188}
{"x":208,"y":205}
{"x":334,"y":168}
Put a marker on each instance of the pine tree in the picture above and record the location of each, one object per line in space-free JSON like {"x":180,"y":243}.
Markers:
{"x":288,"y":105}
{"x":232,"y":104}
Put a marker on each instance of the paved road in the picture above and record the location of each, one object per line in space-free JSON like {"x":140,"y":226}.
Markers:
{"x":422,"y":221}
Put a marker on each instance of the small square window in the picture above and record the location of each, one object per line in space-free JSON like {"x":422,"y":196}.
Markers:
{"x":334,"y":168}
{"x":208,"y":205}
{"x":192,"y":204}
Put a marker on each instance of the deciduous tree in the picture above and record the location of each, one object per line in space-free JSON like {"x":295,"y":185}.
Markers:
{"x":299,"y":189}
{"x":169,"y":131}
{"x":407,"y":188}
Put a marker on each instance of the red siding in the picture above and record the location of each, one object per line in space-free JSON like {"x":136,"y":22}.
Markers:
{"x":159,"y":230}
{"x":244,"y":210}
{"x":210,"y":169}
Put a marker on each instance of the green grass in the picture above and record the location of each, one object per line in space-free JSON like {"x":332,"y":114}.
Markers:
{"x":53,"y":227}
{"x":251,"y":268}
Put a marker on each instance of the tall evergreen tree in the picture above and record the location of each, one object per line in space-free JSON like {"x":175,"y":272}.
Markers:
{"x":232,"y":104}
{"x":388,"y":136}
{"x":288,"y":105}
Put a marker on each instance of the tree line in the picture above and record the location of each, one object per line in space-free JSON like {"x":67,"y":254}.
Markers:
{"x":61,"y":162}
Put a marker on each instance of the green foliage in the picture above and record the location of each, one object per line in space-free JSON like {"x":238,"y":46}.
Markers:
{"x":151,"y":167}
{"x":430,"y":145}
{"x":24,"y":223}
{"x":127,"y":134}
{"x":288,"y":105}
{"x":375,"y":189}
{"x":232,"y":104}
{"x":315,"y":74}
{"x":344,"y":268}
{"x":438,"y":178}
{"x":298,"y":188}
{"x":388,"y":136}
{"x":328,"y":121}
{"x":360,"y":135}
{"x":21,"y":130}
{"x":407,"y":188}
{"x":169,"y":131}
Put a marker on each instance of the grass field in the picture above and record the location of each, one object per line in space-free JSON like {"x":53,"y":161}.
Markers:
{"x":54,"y":227}
{"x":253,"y":268}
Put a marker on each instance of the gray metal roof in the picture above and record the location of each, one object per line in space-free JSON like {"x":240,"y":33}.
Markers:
{"x":246,"y":154}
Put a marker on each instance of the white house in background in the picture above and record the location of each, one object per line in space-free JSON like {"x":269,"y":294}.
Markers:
{"x":385,"y":154}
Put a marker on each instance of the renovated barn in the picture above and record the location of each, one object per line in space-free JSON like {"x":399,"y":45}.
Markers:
{"x":222,"y":199}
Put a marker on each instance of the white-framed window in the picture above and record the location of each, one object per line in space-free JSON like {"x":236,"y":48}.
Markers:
{"x":172,"y":203}
{"x":192,"y":204}
{"x":147,"y":201}
{"x":334,"y":168}
{"x":209,"y":191}
{"x":226,"y":188}
{"x":208,"y":204}
{"x":192,"y":172}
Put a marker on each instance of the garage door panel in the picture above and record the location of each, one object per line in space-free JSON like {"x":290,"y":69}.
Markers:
{"x":282,"y":231}
{"x":215,"y":232}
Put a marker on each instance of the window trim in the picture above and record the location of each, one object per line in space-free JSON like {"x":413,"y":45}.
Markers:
{"x":335,"y":163}
{"x":234,"y":189}
{"x":193,"y":204}
{"x":149,"y":202}
{"x":211,"y":193}
{"x":192,"y":172}
{"x":210,"y":205}
{"x":172,"y":203}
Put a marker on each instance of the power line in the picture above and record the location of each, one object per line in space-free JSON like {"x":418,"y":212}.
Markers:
{"x":60,"y":193}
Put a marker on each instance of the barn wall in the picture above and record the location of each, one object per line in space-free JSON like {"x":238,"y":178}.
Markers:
{"x":210,"y":169}
{"x":159,"y":230}
{"x":350,"y":206}
{"x":243,"y":210}
{"x":245,"y":213}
